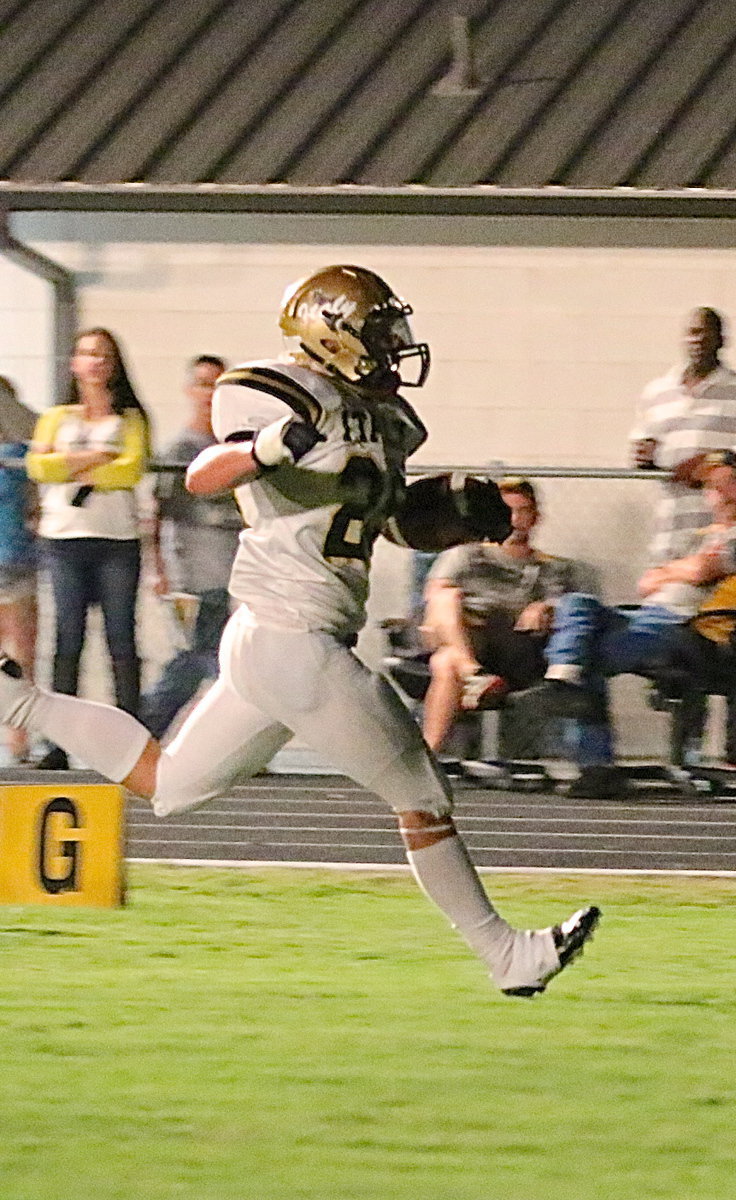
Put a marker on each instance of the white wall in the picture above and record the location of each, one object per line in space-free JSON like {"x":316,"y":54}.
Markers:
{"x":26,"y":335}
{"x":542,"y":332}
{"x":567,"y":326}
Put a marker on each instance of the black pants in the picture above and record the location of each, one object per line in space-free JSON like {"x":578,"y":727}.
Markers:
{"x":517,"y":656}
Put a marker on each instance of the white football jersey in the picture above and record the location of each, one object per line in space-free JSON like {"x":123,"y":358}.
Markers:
{"x":303,"y":559}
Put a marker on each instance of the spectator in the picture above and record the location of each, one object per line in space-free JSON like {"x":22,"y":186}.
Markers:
{"x":591,"y":642}
{"x":17,"y":421}
{"x":489,"y":609}
{"x":17,"y":544}
{"x":681,"y":417}
{"x":195,"y":540}
{"x":88,"y":455}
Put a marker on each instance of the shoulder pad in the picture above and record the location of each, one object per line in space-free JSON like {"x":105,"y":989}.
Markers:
{"x":277,"y":382}
{"x":413,"y":430}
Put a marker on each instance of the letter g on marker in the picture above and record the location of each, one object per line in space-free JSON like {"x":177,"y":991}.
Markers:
{"x":58,"y":846}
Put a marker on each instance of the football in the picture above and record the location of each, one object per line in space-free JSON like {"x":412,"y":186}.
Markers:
{"x":441,"y":511}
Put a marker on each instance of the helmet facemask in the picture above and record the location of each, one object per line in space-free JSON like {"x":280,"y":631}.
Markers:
{"x":389,"y":342}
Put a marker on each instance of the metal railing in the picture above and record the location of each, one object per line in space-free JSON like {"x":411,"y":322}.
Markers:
{"x":599,"y":517}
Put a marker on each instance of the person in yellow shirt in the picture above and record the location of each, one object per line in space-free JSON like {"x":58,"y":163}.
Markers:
{"x":87,"y":455}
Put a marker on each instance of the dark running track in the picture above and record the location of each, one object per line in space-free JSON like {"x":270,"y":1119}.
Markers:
{"x":328,"y":819}
{"x":316,"y":818}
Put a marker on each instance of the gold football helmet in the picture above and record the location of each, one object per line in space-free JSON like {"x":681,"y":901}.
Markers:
{"x":348,"y":319}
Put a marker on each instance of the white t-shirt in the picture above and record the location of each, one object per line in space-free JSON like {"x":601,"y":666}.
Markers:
{"x":104,"y":514}
{"x":303,"y":561}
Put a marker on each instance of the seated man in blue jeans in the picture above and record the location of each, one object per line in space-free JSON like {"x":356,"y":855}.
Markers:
{"x":591,"y":642}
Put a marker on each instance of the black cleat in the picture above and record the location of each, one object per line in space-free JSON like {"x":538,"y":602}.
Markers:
{"x":569,"y":940}
{"x":570,"y":937}
{"x":554,"y":698}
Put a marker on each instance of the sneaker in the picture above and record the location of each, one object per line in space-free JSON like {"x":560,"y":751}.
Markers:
{"x":557,"y":698}
{"x":55,"y":759}
{"x":483,"y":691}
{"x":569,"y":940}
{"x":595,"y":783}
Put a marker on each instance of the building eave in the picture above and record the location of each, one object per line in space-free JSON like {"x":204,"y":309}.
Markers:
{"x":409,"y":200}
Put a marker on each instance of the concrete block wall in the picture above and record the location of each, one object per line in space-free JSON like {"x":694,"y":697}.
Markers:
{"x":543,"y":333}
{"x":26,"y":333}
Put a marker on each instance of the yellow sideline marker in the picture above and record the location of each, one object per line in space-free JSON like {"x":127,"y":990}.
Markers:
{"x":62,"y":845}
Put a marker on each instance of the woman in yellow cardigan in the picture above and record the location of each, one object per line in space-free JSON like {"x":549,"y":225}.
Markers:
{"x":88,"y":455}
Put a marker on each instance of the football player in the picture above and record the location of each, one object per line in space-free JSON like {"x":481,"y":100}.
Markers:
{"x":314,"y":447}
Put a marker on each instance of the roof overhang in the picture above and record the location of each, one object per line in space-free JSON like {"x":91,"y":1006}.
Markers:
{"x":410,"y":200}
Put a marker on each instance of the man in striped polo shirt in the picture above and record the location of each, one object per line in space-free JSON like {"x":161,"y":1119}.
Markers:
{"x":681,"y":417}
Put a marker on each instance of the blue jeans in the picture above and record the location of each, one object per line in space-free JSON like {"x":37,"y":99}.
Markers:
{"x":604,"y":642}
{"x":87,"y":571}
{"x":183,"y":674}
{"x":610,"y":641}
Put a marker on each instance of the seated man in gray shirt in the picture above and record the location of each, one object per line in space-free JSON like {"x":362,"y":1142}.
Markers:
{"x":195,"y":540}
{"x":488,"y":611}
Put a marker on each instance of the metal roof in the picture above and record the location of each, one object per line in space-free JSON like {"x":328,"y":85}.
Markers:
{"x":518,"y":94}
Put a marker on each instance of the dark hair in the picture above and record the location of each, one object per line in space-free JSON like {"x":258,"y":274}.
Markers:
{"x":516,"y":483}
{"x":714,"y":318}
{"x":121,"y":389}
{"x":207,"y":360}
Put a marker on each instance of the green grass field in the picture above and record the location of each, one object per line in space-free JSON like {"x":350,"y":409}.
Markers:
{"x":261,"y":1036}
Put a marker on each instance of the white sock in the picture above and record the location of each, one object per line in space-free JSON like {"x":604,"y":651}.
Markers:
{"x":445,"y":874}
{"x":514,"y":957}
{"x":107,"y":739}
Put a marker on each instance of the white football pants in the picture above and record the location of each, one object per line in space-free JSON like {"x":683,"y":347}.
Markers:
{"x":274,"y":683}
